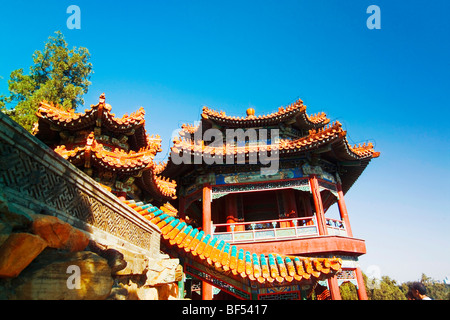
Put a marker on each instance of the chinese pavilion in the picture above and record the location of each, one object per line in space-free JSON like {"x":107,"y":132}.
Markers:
{"x":284,"y":211}
{"x":246,"y":234}
{"x":116,"y":152}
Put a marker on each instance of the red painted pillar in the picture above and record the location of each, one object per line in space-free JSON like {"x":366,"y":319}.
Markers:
{"x":207,"y":293}
{"x":343,"y":210}
{"x":321,"y":224}
{"x":362,"y":294}
{"x":334,"y":288}
{"x":206,"y":202}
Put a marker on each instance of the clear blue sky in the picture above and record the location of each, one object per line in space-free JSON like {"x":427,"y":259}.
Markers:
{"x":388,"y":86}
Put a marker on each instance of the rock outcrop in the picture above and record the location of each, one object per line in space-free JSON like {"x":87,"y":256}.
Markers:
{"x":58,"y":234}
{"x":18,"y":251}
{"x":64,"y":275}
{"x":42,"y":258}
{"x":45,"y":258}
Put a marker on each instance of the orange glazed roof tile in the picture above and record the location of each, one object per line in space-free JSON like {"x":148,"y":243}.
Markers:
{"x":99,"y":112}
{"x":138,"y":161}
{"x":169,"y":209}
{"x":157,"y":184}
{"x":98,"y":115}
{"x":331,"y":132}
{"x":119,"y":161}
{"x":189,"y":128}
{"x":223,"y":257}
{"x":159,"y":167}
{"x":93,"y":151}
{"x":314,"y":139}
{"x":296,"y":109}
{"x":166,"y":186}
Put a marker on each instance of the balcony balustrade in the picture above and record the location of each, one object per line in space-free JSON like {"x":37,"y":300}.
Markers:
{"x":281,"y":229}
{"x":336,"y":227}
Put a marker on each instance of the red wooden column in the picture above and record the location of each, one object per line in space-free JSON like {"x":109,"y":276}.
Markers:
{"x":362,"y":294}
{"x":343,"y":210}
{"x":321,"y":224}
{"x":206,"y":202}
{"x":207,"y":293}
{"x":334,"y":288}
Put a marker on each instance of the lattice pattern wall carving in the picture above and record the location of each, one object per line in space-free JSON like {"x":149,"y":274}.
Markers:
{"x":36,"y":177}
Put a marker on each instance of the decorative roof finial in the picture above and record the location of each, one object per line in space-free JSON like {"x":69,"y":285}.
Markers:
{"x":102,"y":98}
{"x":250,"y":112}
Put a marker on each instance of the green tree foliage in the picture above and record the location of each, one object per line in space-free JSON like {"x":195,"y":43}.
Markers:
{"x":386,"y":289}
{"x":383,"y":289}
{"x":58,"y":75}
{"x":348,"y":291}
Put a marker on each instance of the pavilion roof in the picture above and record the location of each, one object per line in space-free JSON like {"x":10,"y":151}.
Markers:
{"x":139,"y":163}
{"x":53,"y":117}
{"x":329,"y":139}
{"x":222,"y":257}
{"x":295,"y":111}
{"x":325,"y":135}
{"x":93,"y":153}
{"x":99,"y":114}
{"x":92,"y":150}
{"x":330,"y":134}
{"x":159,"y":184}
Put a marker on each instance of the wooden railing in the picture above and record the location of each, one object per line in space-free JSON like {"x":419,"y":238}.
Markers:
{"x":255,"y":231}
{"x":336,"y":227}
{"x":291,"y":228}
